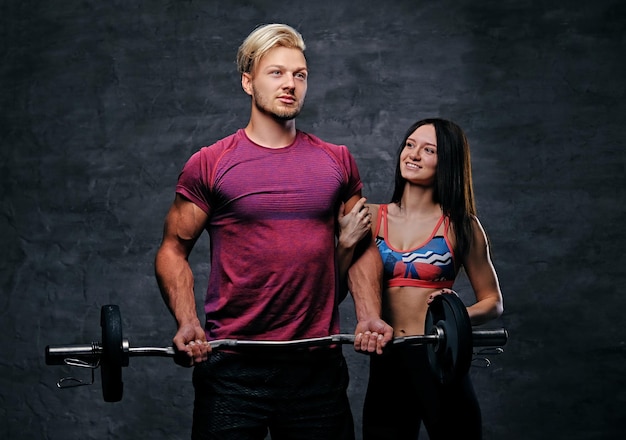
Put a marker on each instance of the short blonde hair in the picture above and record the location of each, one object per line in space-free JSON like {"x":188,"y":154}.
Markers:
{"x":263,"y":39}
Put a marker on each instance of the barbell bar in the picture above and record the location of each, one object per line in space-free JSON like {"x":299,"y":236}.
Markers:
{"x":449,"y":339}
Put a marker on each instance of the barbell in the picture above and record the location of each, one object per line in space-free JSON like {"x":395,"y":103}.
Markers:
{"x":449,"y":339}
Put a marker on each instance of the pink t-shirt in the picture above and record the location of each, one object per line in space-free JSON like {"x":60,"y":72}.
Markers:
{"x":272,"y":230}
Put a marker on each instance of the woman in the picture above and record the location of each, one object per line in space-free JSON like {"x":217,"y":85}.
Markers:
{"x":425,"y":236}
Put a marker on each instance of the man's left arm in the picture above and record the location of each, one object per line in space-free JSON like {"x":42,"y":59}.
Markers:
{"x":365,"y":285}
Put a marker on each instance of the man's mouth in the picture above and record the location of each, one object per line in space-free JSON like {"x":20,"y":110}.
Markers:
{"x":287,"y":99}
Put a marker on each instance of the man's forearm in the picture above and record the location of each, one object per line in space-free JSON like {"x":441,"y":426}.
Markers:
{"x":365,"y":283}
{"x":345,"y":255}
{"x":176,"y":284}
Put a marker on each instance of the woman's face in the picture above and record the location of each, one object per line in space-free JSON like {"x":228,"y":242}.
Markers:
{"x":418,"y":158}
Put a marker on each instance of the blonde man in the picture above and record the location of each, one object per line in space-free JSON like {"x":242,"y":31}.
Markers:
{"x":268,"y":196}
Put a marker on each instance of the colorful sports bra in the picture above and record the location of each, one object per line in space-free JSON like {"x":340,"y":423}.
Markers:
{"x":430,"y":265}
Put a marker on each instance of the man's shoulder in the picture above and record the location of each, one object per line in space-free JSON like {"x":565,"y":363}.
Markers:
{"x":220,"y":146}
{"x":339,"y":151}
{"x":227,"y":141}
{"x":316,"y":140}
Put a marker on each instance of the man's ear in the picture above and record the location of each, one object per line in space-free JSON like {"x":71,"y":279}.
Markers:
{"x":246,"y":83}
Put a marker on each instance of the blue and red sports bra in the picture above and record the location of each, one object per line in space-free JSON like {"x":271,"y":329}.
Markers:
{"x":430,"y":265}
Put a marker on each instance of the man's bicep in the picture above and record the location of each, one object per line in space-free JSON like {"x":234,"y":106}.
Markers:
{"x":349,"y":204}
{"x":185,"y":221}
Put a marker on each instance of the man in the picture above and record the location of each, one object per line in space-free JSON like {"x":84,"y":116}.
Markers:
{"x":268,"y":196}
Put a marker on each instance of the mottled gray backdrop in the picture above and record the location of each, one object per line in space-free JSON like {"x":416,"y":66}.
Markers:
{"x":101,"y":102}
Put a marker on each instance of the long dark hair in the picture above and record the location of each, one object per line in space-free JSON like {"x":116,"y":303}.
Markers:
{"x":453,"y":187}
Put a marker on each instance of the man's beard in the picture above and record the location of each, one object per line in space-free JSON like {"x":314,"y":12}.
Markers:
{"x":280,"y":114}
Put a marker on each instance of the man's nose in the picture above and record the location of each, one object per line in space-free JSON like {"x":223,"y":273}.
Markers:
{"x":290,"y":82}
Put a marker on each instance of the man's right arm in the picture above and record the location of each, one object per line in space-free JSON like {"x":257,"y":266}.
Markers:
{"x":184,"y":223}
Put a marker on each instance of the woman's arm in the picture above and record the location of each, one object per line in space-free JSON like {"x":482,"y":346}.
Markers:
{"x":483,"y":278}
{"x":354,"y":225}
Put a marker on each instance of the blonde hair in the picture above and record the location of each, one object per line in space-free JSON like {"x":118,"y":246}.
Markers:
{"x":263,"y":39}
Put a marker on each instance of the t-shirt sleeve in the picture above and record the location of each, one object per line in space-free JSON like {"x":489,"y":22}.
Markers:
{"x":354,"y":184}
{"x":193,"y":181}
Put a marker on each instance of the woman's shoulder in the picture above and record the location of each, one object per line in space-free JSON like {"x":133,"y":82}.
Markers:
{"x":375,"y":210}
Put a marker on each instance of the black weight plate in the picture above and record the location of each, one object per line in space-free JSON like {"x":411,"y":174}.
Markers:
{"x":450,"y":359}
{"x":465,"y":340}
{"x":112,"y":353}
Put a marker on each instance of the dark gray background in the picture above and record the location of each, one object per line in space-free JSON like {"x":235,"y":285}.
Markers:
{"x":101,"y":102}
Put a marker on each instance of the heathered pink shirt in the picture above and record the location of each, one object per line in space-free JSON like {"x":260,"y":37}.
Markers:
{"x":272,"y":230}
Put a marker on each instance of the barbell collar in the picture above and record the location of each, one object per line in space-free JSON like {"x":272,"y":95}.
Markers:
{"x":490,"y":337}
{"x":56,"y":354}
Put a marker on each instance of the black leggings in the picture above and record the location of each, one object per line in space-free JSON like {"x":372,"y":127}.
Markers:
{"x":402,"y":392}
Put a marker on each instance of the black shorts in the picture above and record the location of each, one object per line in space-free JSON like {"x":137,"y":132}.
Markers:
{"x":301,"y":395}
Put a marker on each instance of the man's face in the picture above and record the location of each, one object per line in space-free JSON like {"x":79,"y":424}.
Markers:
{"x":278,"y":83}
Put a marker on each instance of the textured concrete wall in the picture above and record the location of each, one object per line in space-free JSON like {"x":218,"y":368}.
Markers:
{"x":102,"y":102}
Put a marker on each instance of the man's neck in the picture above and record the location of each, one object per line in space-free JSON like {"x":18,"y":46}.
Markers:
{"x":269,"y":132}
